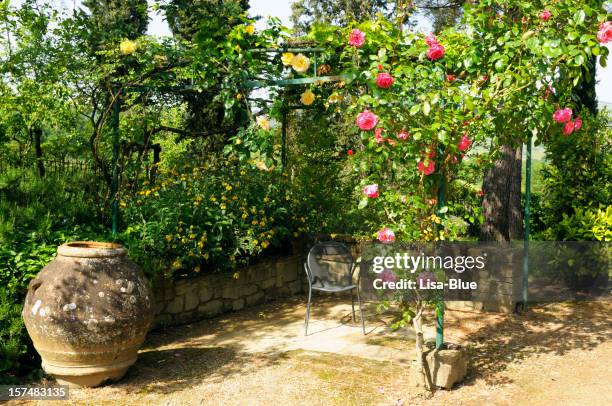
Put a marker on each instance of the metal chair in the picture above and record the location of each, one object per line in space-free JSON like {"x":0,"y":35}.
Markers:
{"x":321,"y":259}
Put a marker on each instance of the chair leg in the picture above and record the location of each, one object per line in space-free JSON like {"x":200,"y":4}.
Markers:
{"x":353,"y":304}
{"x":361,"y":312}
{"x":307,"y":312}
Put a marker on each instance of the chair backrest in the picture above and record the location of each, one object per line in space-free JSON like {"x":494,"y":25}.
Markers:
{"x":330,"y":262}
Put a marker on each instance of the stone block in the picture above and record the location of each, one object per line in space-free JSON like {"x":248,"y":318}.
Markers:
{"x":231,"y":291}
{"x":248,"y":290}
{"x":255,"y":298}
{"x":268,"y":283}
{"x":176,"y":305}
{"x":191,"y":300}
{"x":237,"y":304}
{"x":159,"y":307}
{"x":205,"y":293}
{"x":211,"y":309}
{"x":446,"y":366}
{"x":183,"y":286}
{"x":295,"y":287}
{"x":289,"y":273}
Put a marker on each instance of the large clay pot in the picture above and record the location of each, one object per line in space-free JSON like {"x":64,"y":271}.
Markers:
{"x":87,"y":312}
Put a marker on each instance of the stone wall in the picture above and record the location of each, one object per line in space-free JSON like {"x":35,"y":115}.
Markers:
{"x":186,"y":300}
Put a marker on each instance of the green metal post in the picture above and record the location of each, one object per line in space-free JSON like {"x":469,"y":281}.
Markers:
{"x":527,"y":215}
{"x":115,"y":180}
{"x":440,"y":304}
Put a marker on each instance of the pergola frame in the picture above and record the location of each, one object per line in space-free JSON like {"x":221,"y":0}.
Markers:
{"x":254,"y":84}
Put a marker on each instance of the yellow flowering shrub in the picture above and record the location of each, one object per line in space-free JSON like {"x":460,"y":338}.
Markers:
{"x":195,"y":219}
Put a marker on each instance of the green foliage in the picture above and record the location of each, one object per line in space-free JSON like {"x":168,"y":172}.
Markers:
{"x":198,"y":218}
{"x":577,"y":178}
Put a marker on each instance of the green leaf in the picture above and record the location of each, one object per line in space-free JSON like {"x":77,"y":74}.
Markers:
{"x":579,"y":17}
{"x":426,"y":108}
{"x":415,"y":109}
{"x":363,"y":203}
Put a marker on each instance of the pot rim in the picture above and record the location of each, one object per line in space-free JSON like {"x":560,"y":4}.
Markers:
{"x":91,"y":249}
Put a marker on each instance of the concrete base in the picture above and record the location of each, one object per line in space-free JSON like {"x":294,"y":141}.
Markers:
{"x":446,"y":366}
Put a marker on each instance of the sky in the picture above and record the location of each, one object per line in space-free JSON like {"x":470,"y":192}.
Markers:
{"x":282,"y":10}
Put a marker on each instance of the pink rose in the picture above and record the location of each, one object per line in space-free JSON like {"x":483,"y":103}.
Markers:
{"x":384,"y":80}
{"x":465,"y":143}
{"x":378,"y":135}
{"x":366,"y":120}
{"x":388,"y":275}
{"x":402,"y":135}
{"x":371,"y":191}
{"x":435,"y":52}
{"x":426,"y":170}
{"x":562,"y":115}
{"x":424,"y":278}
{"x":568,"y":128}
{"x":545,"y":15}
{"x":386,"y":235}
{"x":356,"y":38}
{"x":605,"y":32}
{"x":577,"y":124}
{"x":404,"y":199}
{"x":431,"y":40}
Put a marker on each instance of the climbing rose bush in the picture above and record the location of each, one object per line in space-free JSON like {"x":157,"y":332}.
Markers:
{"x":501,"y":75}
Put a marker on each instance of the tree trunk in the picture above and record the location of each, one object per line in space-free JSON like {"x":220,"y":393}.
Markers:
{"x":420,"y":375}
{"x":37,"y":132}
{"x":503,"y":217}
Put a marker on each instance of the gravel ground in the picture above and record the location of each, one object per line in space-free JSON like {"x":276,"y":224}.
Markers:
{"x":557,"y":354}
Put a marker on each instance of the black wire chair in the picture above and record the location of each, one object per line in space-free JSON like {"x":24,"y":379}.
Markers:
{"x":329,"y":268}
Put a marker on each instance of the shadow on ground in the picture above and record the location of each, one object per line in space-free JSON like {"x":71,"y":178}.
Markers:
{"x":555,"y":328}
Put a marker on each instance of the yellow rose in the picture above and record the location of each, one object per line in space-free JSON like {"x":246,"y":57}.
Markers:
{"x":335,"y":98}
{"x":287,"y":58}
{"x":127,"y":47}
{"x":307,"y":98}
{"x":261,"y":166}
{"x":300,"y":63}
{"x":263,"y":123}
{"x":250,"y":29}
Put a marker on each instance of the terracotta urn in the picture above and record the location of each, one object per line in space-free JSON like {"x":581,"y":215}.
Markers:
{"x":88,"y":312}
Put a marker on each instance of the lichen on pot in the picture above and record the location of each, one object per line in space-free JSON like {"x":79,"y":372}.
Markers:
{"x":88,"y":312}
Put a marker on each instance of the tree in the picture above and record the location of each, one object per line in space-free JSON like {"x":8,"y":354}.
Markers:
{"x":306,"y":12}
{"x":33,"y":95}
{"x":207,"y":22}
{"x":113,"y":20}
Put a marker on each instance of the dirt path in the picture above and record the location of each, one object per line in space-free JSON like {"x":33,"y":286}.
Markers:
{"x":558,"y":354}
